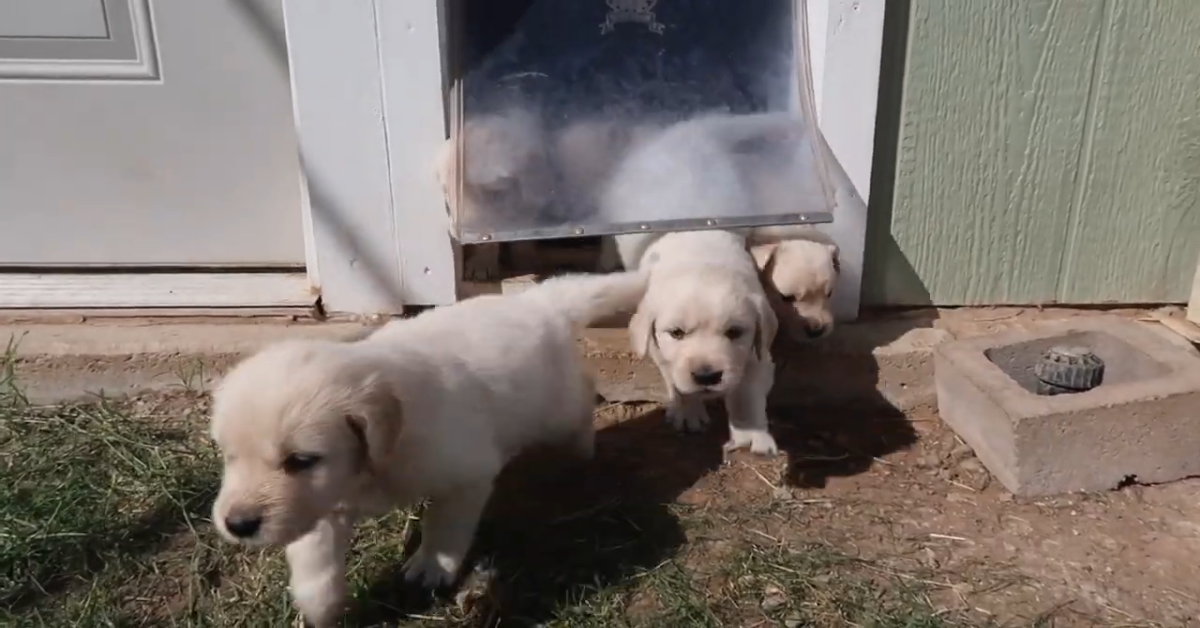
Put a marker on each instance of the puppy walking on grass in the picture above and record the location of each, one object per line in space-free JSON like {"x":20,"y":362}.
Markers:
{"x":318,"y":434}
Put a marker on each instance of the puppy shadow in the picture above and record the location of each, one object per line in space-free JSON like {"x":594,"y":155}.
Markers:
{"x":559,"y":530}
{"x":834,"y":411}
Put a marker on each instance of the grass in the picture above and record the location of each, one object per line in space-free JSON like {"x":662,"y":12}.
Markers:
{"x":104,"y":522}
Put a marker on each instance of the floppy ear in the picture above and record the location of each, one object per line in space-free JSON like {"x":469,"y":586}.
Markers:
{"x":768,"y":325}
{"x":764,"y":256}
{"x":376,"y":421}
{"x":641,"y":329}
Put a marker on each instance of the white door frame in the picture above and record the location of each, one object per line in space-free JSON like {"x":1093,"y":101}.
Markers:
{"x":368,"y":87}
{"x":367,"y":91}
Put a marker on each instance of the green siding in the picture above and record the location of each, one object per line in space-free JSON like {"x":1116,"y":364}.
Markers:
{"x":1046,"y":151}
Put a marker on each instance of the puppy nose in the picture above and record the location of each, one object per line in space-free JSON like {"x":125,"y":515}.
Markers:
{"x":243,"y":527}
{"x":814,"y":331}
{"x":707,"y":376}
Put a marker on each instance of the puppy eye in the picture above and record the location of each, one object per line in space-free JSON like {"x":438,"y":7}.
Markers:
{"x":829,"y":293}
{"x":299,"y":463}
{"x":733,"y":333}
{"x":676,"y":333}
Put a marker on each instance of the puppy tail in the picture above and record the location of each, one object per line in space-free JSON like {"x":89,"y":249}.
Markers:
{"x":585,"y":299}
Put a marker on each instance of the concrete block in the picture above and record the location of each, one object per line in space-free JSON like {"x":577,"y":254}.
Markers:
{"x":1141,"y":424}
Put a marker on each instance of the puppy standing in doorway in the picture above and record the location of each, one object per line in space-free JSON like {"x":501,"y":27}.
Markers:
{"x":318,"y":434}
{"x":799,"y":272}
{"x":708,"y":326}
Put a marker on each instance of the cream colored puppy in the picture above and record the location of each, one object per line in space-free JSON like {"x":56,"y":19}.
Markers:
{"x":708,"y":326}
{"x":318,"y":434}
{"x":506,"y":180}
{"x":799,"y":275}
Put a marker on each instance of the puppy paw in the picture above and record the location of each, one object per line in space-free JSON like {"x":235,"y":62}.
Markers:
{"x":759,"y":442}
{"x":688,"y":417}
{"x":431,"y":570}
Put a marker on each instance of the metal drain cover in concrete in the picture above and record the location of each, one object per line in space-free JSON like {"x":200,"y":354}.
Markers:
{"x":1141,"y":424}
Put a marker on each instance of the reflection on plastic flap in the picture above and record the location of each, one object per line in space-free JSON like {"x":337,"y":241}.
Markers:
{"x":587,"y":117}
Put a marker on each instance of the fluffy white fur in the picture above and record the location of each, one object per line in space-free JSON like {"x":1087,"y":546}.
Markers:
{"x":318,"y":434}
{"x":708,"y":326}
{"x":506,"y":179}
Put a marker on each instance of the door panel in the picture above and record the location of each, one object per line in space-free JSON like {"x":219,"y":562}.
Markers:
{"x":168,"y":140}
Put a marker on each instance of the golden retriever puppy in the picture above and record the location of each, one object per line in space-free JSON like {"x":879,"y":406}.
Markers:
{"x":318,"y":434}
{"x":708,"y":326}
{"x":507,"y":180}
{"x":799,"y":276}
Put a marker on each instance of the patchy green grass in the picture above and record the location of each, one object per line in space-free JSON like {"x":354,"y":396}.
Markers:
{"x":104,"y":522}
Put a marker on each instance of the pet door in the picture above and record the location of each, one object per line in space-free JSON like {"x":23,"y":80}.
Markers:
{"x":593,"y":117}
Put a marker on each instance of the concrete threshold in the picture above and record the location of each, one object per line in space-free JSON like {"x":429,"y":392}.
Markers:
{"x":886,"y":361}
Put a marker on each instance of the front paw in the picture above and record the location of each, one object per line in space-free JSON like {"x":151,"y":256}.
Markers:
{"x":692,"y":417}
{"x":759,"y":442}
{"x":431,"y":570}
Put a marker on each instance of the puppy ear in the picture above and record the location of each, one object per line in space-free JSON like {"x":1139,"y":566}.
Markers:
{"x":376,"y":422}
{"x":641,"y":329}
{"x":764,"y":256}
{"x":768,"y":325}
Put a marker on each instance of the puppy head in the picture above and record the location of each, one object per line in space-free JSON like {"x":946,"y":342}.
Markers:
{"x":703,"y":328}
{"x":297,"y":424}
{"x":799,"y":276}
{"x":506,"y":175}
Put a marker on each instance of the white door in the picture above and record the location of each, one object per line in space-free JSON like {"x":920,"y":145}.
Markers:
{"x":147,"y":132}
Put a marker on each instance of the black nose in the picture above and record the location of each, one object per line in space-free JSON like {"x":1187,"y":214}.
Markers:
{"x":707,"y":376}
{"x":814,"y":331}
{"x":243,"y":527}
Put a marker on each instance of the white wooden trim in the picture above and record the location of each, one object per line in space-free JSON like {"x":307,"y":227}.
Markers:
{"x":142,"y":66}
{"x":410,"y":56}
{"x":154,"y":290}
{"x":845,"y":58}
{"x":337,"y":95}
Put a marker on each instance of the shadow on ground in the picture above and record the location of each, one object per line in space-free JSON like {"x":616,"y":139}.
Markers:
{"x":559,"y":531}
{"x":829,"y":411}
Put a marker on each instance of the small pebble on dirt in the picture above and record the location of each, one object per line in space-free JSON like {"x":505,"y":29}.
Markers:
{"x":773,"y":598}
{"x":961,"y":451}
{"x":972,"y":465}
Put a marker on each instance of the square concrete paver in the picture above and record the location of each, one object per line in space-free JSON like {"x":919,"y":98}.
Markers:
{"x":1142,"y":424}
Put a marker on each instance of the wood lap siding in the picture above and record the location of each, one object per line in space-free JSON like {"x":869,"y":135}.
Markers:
{"x":1047,"y":151}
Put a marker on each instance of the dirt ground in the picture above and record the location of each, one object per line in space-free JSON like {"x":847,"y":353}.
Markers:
{"x":869,"y":519}
{"x":926,"y":505}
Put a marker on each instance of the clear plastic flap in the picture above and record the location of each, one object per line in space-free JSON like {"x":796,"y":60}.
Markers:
{"x":591,"y":117}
